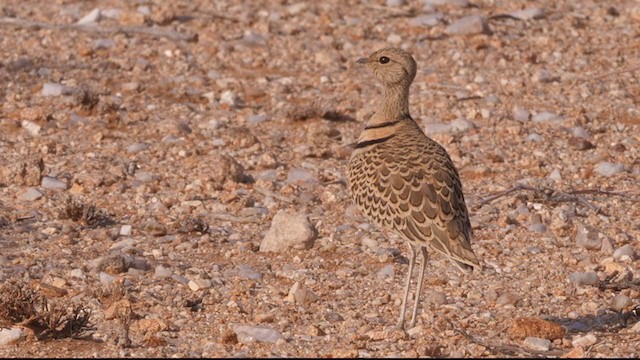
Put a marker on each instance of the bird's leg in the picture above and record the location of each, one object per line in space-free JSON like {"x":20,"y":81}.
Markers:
{"x":423,"y":250}
{"x":412,"y":263}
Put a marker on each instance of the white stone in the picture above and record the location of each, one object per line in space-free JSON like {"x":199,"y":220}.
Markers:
{"x":395,"y":3}
{"x":534,"y":137}
{"x":92,"y":17}
{"x":468,"y":25}
{"x":584,"y":341}
{"x":249,"y":334}
{"x":620,"y":302}
{"x":289,"y":231}
{"x":52,"y":183}
{"x":426,"y":20}
{"x":162,"y":272}
{"x":435,"y":297}
{"x":199,"y":284}
{"x":229,"y":97}
{"x":538,"y":344}
{"x":394,"y":39}
{"x":125,"y":230}
{"x":555,"y":175}
{"x":30,"y":194}
{"x":609,"y":169}
{"x":106,"y":279}
{"x":8,"y":336}
{"x":622,"y":251}
{"x":580,"y":132}
{"x":461,"y":3}
{"x":546,"y":117}
{"x":52,"y":89}
{"x":296,"y":175}
{"x":386,"y":272}
{"x":462,"y":124}
{"x":588,"y":237}
{"x":32,"y":128}
{"x":299,"y":295}
{"x":528,"y":14}
{"x":583,"y":278}
{"x":137,"y":147}
{"x":247,"y":272}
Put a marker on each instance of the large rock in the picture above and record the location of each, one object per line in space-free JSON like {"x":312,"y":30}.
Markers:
{"x":289,"y":231}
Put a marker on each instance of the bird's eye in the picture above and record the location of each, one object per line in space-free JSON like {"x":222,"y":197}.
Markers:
{"x":384,"y":60}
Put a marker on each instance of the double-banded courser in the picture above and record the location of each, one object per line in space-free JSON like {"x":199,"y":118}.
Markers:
{"x":404,"y":181}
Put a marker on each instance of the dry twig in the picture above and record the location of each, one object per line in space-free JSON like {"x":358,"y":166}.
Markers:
{"x":626,"y":283}
{"x":233,"y":218}
{"x":129,"y":30}
{"x":555,"y":195}
{"x":274,"y":195}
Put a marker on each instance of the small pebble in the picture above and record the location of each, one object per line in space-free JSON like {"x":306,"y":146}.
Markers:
{"x":229,"y":97}
{"x":620,"y":302}
{"x":125,"y":230}
{"x":588,"y":237}
{"x":583,"y":278}
{"x":162,"y":272}
{"x":386,"y":272}
{"x":546,"y":117}
{"x":8,"y":336}
{"x":427,"y":20}
{"x":32,"y":128}
{"x":247,"y":272}
{"x":30,"y":194}
{"x":52,"y":89}
{"x":580,"y":132}
{"x":609,"y":169}
{"x":584,"y":341}
{"x":508,"y":299}
{"x":259,"y":118}
{"x":52,"y":183}
{"x":534,"y":137}
{"x":395,"y":3}
{"x":249,"y":334}
{"x":520,"y":114}
{"x":468,"y":25}
{"x":297,"y":175}
{"x":622,"y":251}
{"x":199,"y":284}
{"x":137,"y":147}
{"x":538,"y":344}
{"x":529,"y":14}
{"x":289,"y":231}
{"x":106,"y":279}
{"x":555,"y":175}
{"x":92,"y":17}
{"x":461,"y":124}
{"x":435,"y":297}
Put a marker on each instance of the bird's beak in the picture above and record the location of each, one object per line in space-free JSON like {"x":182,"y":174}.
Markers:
{"x":363,"y":61}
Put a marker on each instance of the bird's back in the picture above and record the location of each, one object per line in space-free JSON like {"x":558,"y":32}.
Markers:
{"x":404,"y":181}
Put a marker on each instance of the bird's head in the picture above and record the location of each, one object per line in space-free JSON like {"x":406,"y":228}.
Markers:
{"x":391,"y":66}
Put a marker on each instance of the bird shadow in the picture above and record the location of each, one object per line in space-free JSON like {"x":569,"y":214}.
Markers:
{"x":604,"y":321}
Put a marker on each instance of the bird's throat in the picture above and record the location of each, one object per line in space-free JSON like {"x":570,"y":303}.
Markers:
{"x":394,"y":105}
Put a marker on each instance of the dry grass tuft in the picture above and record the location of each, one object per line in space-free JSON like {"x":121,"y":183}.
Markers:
{"x":88,"y":214}
{"x":22,"y":305}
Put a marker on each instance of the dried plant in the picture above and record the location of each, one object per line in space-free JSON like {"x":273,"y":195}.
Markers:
{"x":22,"y":305}
{"x":88,"y":214}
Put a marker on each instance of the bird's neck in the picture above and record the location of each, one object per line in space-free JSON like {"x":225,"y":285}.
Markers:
{"x":394,"y":105}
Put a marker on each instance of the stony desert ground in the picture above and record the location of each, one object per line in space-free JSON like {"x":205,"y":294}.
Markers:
{"x":151,"y":152}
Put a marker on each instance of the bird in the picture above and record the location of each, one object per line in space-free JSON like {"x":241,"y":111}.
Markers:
{"x":404,"y":181}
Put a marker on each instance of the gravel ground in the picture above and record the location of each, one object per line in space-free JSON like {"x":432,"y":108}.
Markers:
{"x":147,"y":146}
